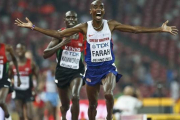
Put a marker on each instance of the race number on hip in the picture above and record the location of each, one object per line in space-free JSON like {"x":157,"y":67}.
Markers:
{"x":24,"y":82}
{"x":70,"y":59}
{"x":1,"y":71}
{"x":100,"y":51}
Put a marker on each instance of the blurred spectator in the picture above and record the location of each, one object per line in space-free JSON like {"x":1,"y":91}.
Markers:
{"x":52,"y":98}
{"x":159,"y":90}
{"x":174,"y":87}
{"x":129,"y":103}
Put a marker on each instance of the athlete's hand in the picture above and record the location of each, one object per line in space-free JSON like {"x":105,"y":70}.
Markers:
{"x":19,"y":23}
{"x":19,"y":82}
{"x":170,"y":29}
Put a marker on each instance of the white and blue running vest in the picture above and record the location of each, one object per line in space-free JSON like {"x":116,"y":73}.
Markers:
{"x":99,"y":46}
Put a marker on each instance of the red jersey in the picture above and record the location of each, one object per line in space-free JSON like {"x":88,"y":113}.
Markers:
{"x":3,"y":58}
{"x":3,"y":62}
{"x":25,"y":72}
{"x":75,"y":44}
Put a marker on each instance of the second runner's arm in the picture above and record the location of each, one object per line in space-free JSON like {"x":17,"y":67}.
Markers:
{"x":54,"y":46}
{"x":14,"y":60}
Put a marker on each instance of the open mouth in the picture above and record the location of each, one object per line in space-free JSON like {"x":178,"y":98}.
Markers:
{"x":98,"y":15}
{"x":71,"y":23}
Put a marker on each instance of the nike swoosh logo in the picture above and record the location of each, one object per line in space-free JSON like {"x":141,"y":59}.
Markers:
{"x":90,"y":35}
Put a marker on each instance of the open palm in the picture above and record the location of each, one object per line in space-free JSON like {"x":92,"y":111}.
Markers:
{"x":19,"y":23}
{"x":170,"y":29}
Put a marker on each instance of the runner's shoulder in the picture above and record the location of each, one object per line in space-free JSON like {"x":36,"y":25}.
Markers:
{"x":113,"y":22}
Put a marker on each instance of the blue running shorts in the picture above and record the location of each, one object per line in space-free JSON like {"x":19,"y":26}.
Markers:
{"x":94,"y":74}
{"x":53,"y":98}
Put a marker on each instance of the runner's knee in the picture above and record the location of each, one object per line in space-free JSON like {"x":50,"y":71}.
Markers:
{"x":75,"y":98}
{"x":64,"y":108}
{"x":92,"y":105}
{"x":109,"y":92}
{"x":109,"y":97}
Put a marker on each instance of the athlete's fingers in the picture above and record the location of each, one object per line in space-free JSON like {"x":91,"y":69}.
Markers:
{"x":166,"y":22}
{"x":173,"y":26}
{"x":20,"y":21}
{"x":175,"y":30}
{"x":175,"y":33}
{"x":19,"y":25}
{"x":16,"y":23}
{"x":27,"y":19}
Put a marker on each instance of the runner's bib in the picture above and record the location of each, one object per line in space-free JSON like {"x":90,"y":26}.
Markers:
{"x":1,"y":71}
{"x":70,"y":59}
{"x":100,"y":51}
{"x":24,"y":82}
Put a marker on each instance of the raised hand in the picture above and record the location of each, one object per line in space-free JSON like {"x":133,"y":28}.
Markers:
{"x":170,"y":29}
{"x":19,"y":23}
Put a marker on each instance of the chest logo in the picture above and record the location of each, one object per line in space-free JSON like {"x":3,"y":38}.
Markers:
{"x":90,"y":35}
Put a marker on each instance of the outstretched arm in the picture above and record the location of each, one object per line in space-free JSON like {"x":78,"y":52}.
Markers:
{"x":53,"y":33}
{"x":14,"y":60}
{"x":114,"y":25}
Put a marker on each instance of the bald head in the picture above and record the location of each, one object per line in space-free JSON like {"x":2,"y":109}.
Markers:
{"x":128,"y":90}
{"x":71,"y":12}
{"x":96,"y":2}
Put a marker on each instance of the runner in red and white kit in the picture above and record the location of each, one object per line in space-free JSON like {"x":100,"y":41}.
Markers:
{"x":6,"y":55}
{"x":70,"y":67}
{"x":23,"y":95}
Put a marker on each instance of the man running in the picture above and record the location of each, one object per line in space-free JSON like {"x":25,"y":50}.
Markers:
{"x":6,"y":55}
{"x":70,"y":68}
{"x":99,"y":55}
{"x":23,"y":95}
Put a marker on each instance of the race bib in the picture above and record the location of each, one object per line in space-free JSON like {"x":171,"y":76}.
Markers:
{"x":100,"y":51}
{"x":1,"y":71}
{"x":70,"y":59}
{"x":24,"y":82}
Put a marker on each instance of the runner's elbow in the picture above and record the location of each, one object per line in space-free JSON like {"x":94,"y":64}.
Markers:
{"x":59,"y":35}
{"x":45,"y":55}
